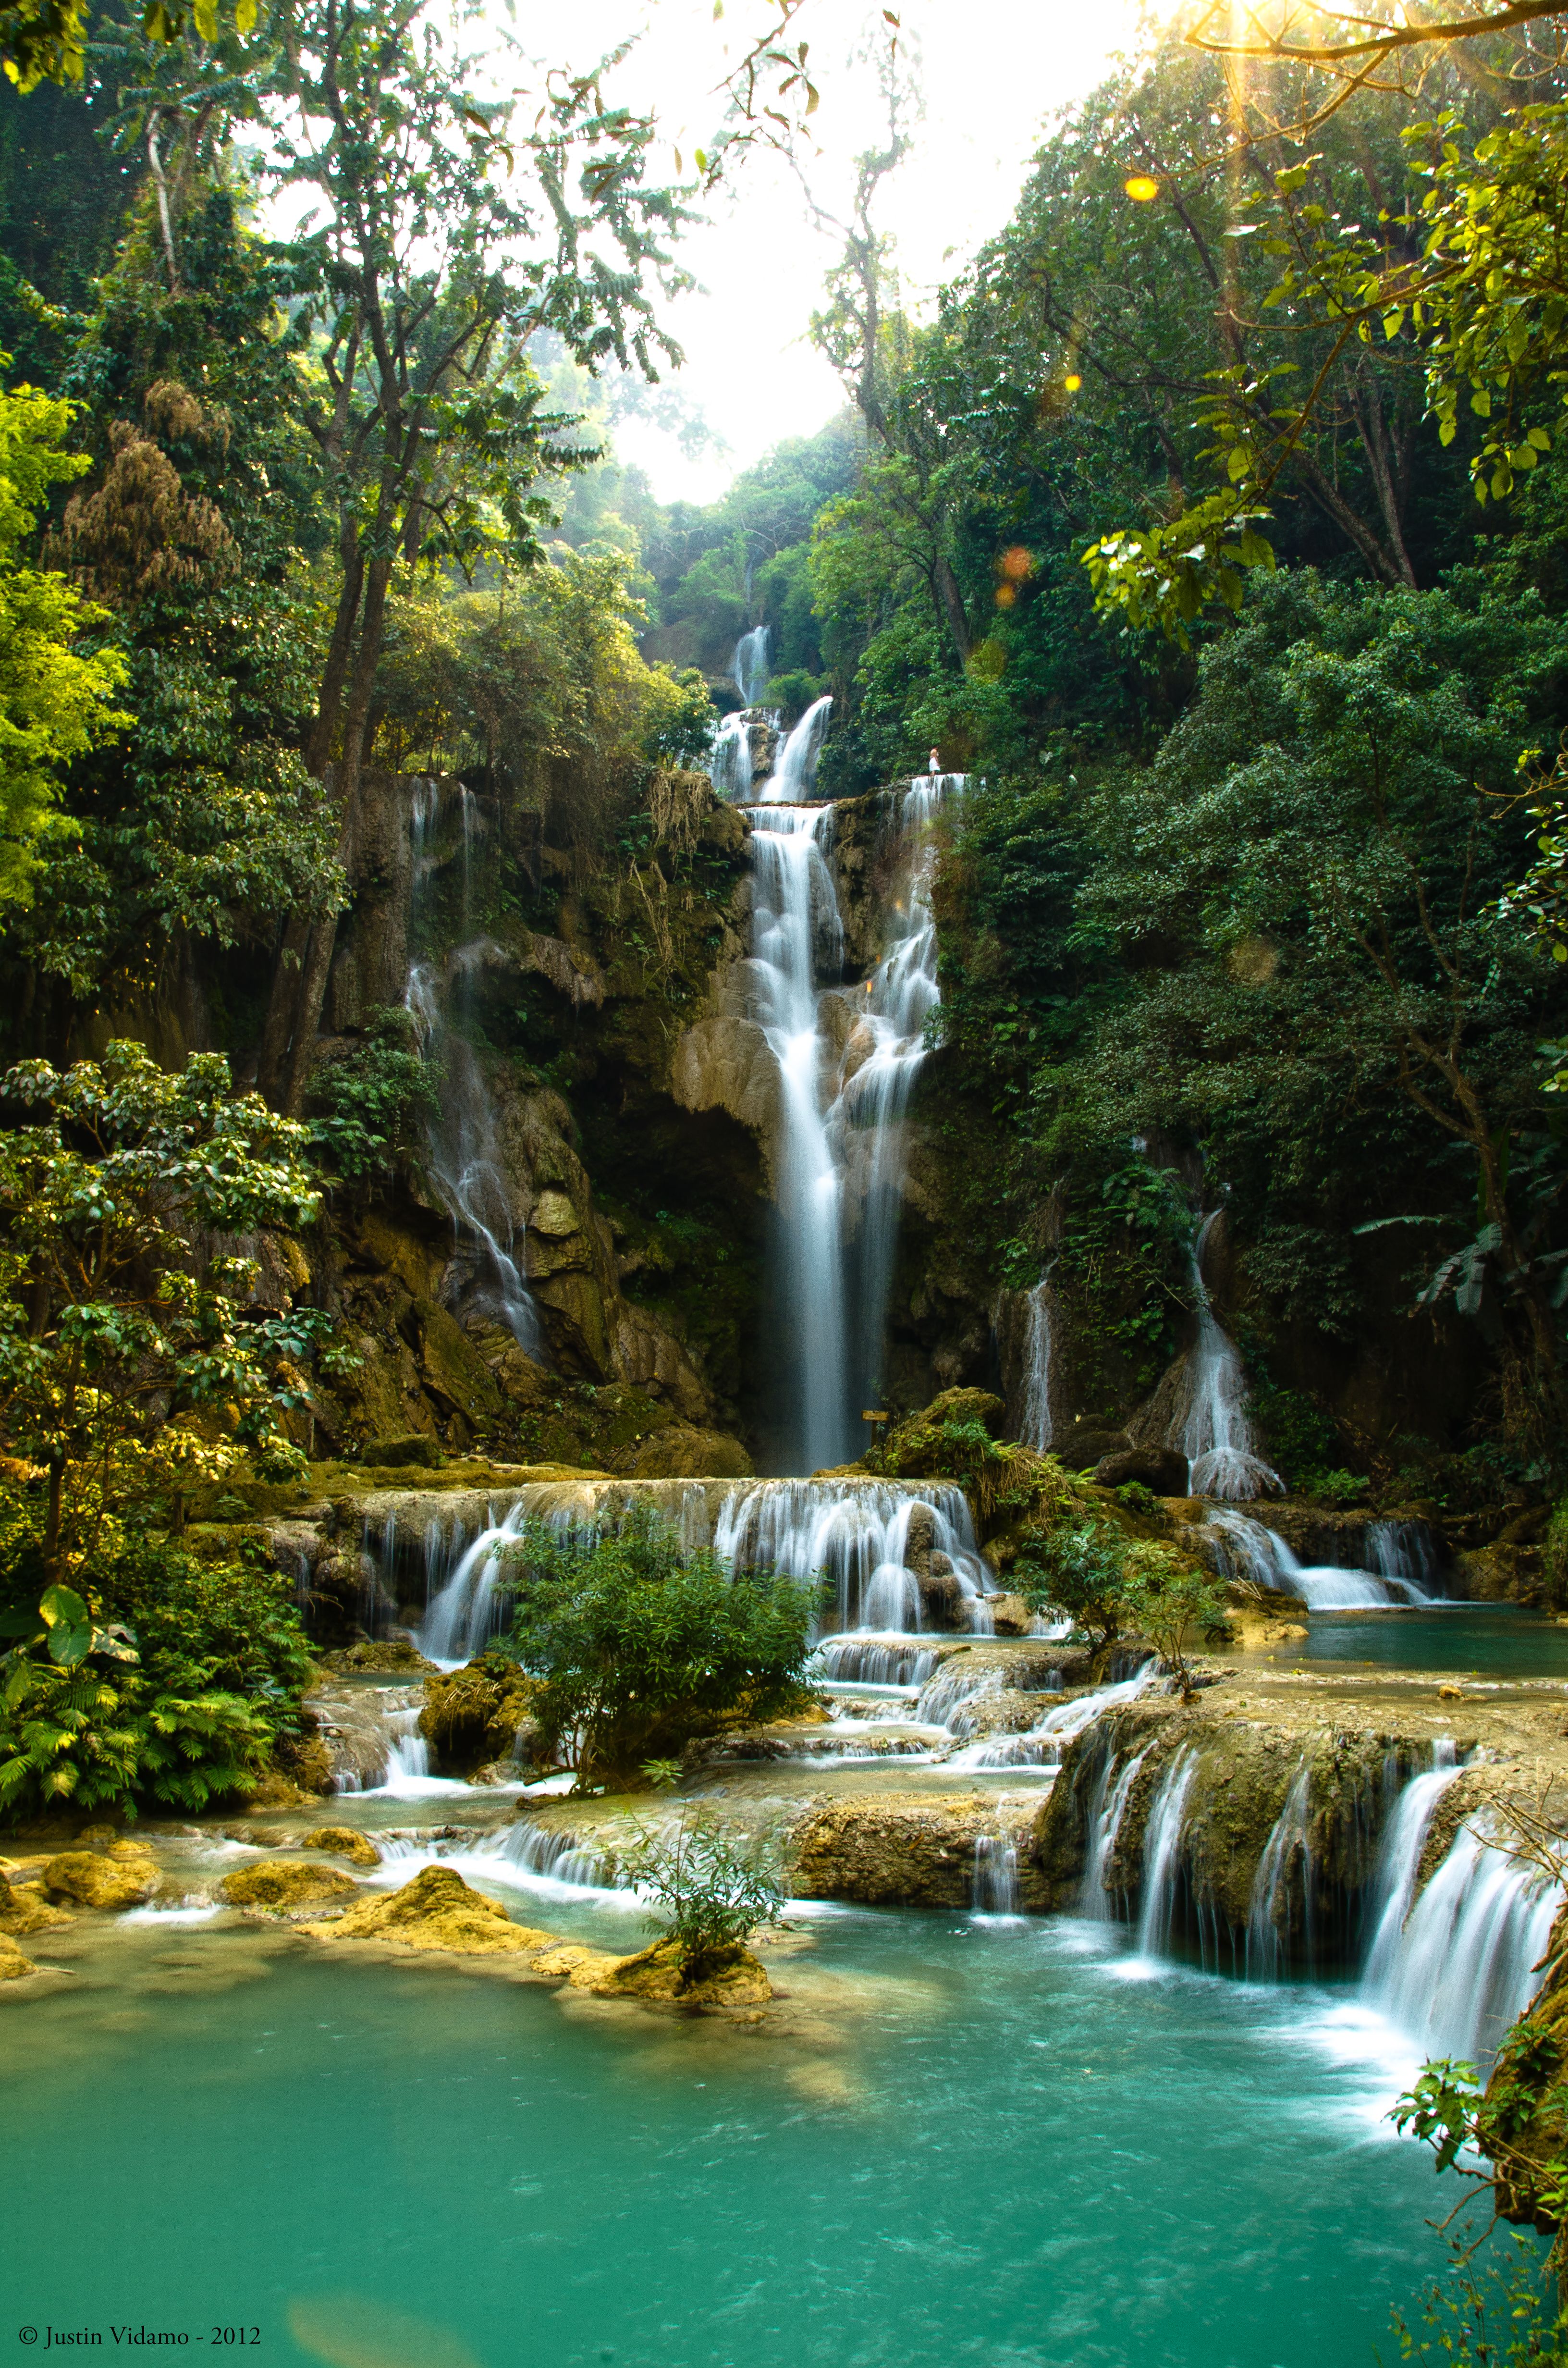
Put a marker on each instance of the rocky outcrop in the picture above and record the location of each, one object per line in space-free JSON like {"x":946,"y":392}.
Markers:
{"x":731,"y":1977}
{"x":900,"y":1849}
{"x":284,"y":1885}
{"x":344,"y":1841}
{"x":438,"y":1911}
{"x":23,"y":1908}
{"x":724,"y":1062}
{"x":478,"y":1714}
{"x":15,"y":1963}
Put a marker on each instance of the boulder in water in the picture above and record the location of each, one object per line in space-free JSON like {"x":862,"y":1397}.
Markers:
{"x":438,"y":1910}
{"x":1158,"y":1468}
{"x":284,"y":1883}
{"x":23,"y":1908}
{"x":478,"y":1715}
{"x":729,"y":1976}
{"x":681,"y":1451}
{"x":344,"y":1841}
{"x":124,"y":1877}
{"x":15,"y":1963}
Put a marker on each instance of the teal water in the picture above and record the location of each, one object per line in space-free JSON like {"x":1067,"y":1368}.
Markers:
{"x":1487,"y":1640}
{"x":986,"y":2142}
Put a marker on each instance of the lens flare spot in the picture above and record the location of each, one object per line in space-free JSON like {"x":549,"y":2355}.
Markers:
{"x":1073,"y":381}
{"x":1140,"y":188}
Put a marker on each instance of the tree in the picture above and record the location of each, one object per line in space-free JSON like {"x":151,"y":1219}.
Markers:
{"x":133,"y":1361}
{"x":637,"y":1647}
{"x":709,"y":1896}
{"x":1080,"y":1571}
{"x":54,"y":702}
{"x":1166,"y":1600}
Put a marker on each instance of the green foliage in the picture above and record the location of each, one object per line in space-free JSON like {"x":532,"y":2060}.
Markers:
{"x":637,"y":1647}
{"x":1134,"y":1497}
{"x":1079,"y":1571}
{"x":1167,"y":1600}
{"x":54,"y":700}
{"x":368,"y":1105}
{"x":710,"y":1895}
{"x":1503,"y":2315}
{"x":97,"y":1741}
{"x":130,"y":1366}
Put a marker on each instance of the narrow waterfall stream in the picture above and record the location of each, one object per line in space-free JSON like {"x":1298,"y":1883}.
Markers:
{"x":1211,"y":1426}
{"x":844,"y":1158}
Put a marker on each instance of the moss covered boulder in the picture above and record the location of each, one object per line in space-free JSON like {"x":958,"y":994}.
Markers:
{"x":284,"y":1884}
{"x":344,"y":1841}
{"x":23,"y":1908}
{"x":124,"y":1876}
{"x":1523,"y":2115}
{"x":15,"y":1963}
{"x":438,"y":1910}
{"x":474,"y":1715}
{"x":721,"y":1978}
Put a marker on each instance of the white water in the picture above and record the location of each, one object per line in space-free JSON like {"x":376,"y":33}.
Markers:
{"x":1037,"y":1429}
{"x":406,"y":1773}
{"x":464,"y":1165}
{"x":795,"y":773}
{"x":1462,"y":1967}
{"x":843,"y":1152}
{"x":1285,"y":1867}
{"x":1210,"y":1426}
{"x":1162,"y":1856}
{"x":1108,"y":1804}
{"x":994,"y":1883}
{"x":1041,"y":1745}
{"x":730,"y":760}
{"x":748,"y":668}
{"x":857,"y":1540}
{"x":1245,"y":1548}
{"x":1399,"y":1857}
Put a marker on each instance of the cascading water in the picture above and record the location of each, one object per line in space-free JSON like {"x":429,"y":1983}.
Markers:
{"x":842,"y":1167}
{"x":1246,"y":1549}
{"x":1210,"y":1426}
{"x":1037,"y":1429}
{"x":730,"y":767}
{"x":994,"y":1884}
{"x":1041,"y":1745}
{"x":857,"y":1542}
{"x":796,"y":771}
{"x":794,"y":905}
{"x":1284,"y":1873}
{"x":1162,"y":1856}
{"x":464,"y":1167}
{"x":1108,"y":1804}
{"x":748,"y":668}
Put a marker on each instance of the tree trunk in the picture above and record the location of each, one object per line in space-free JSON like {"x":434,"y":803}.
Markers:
{"x":951,"y":603}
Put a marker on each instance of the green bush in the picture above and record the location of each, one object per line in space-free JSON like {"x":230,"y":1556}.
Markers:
{"x":711,"y":1895}
{"x":637,"y":1647}
{"x":100,"y":1740}
{"x":1165,"y":1599}
{"x":1134,"y":1497}
{"x":368,"y":1106}
{"x":1079,"y":1572}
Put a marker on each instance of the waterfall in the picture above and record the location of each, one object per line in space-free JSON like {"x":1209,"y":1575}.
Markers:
{"x":874,"y":1661}
{"x":1041,"y":1745}
{"x":1246,"y":1549}
{"x":1037,"y":1429}
{"x":1107,"y":1803}
{"x":748,"y":668}
{"x":880,"y":1061}
{"x":1162,"y":1851}
{"x":994,"y":1884}
{"x":1399,"y":1858}
{"x":842,"y":1167}
{"x":1285,"y":1867}
{"x":796,"y":770}
{"x":729,"y":764}
{"x":1460,"y":1969}
{"x":1210,"y":1426}
{"x":855,"y":1541}
{"x":794,"y":900}
{"x":465,"y":1168}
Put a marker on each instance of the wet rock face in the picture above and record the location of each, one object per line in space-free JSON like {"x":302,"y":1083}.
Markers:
{"x":1159,"y":1469}
{"x":23,"y":1908}
{"x":477,"y":1714}
{"x":893,"y":1850}
{"x":1524,"y":2118}
{"x":344,"y":1841}
{"x":15,"y":1963}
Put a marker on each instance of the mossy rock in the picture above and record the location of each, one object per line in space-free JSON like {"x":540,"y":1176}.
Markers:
{"x":408,"y":1447}
{"x":729,"y":1976}
{"x":473,"y":1715}
{"x":126,"y":1877}
{"x":1523,"y":2123}
{"x":439,"y":1911}
{"x":23,"y":1908}
{"x":918,"y":1447}
{"x":344,"y":1841}
{"x":286,"y":1883}
{"x":15,"y":1963}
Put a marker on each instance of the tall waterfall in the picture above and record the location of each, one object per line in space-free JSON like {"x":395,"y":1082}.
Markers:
{"x":748,"y":668}
{"x":730,"y":765}
{"x":1210,"y":1426}
{"x":843,"y":1155}
{"x":1037,"y":1428}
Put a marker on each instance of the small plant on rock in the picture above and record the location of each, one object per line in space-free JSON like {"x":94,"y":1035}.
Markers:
{"x":1079,"y":1572}
{"x":711,"y":1896}
{"x":1166,"y":1600}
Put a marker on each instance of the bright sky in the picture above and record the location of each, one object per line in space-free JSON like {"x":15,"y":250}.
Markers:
{"x":991,"y":71}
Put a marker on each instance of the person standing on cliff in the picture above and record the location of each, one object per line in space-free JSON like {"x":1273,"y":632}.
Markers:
{"x":935,"y":763}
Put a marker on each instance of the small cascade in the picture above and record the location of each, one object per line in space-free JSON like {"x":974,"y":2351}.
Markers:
{"x":1284,"y":1874}
{"x":1041,"y":1745}
{"x":1162,"y":1856}
{"x":1462,"y":1968}
{"x":1399,"y":1858}
{"x":465,"y":1168}
{"x":994,"y":1885}
{"x":1108,"y":1804}
{"x":729,"y":764}
{"x":469,"y":1605}
{"x":794,"y":776}
{"x":1210,"y":1426}
{"x":1037,"y":1429}
{"x":943,"y":1699}
{"x":396,"y":1763}
{"x":1243,"y":1548}
{"x":857,"y":1539}
{"x":874,"y":1661}
{"x":552,"y":1858}
{"x":748,"y":668}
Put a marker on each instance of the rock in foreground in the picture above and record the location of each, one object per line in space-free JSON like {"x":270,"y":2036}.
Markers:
{"x":436,"y":1910}
{"x":286,"y":1883}
{"x":125,"y":1877}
